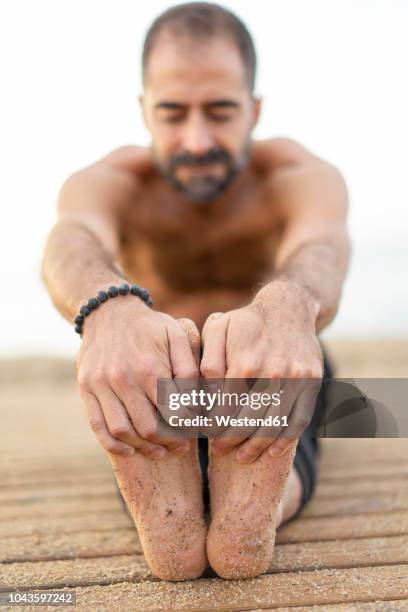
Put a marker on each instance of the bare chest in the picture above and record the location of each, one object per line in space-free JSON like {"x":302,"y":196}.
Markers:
{"x":181,"y":251}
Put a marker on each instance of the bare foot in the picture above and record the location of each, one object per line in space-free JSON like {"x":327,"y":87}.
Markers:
{"x":165,"y":500}
{"x":246,"y":510}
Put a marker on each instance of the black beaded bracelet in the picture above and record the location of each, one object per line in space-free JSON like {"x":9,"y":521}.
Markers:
{"x":103,"y":296}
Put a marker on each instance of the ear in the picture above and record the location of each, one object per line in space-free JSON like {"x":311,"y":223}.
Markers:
{"x":257,"y":105}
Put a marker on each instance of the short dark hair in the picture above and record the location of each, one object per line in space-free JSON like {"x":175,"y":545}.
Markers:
{"x":203,"y":20}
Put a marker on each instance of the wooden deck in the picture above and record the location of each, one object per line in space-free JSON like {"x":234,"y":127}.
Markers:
{"x":62,"y":525}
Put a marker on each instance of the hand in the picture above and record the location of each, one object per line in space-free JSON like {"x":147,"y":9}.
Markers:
{"x":126,"y":347}
{"x":271,"y":338}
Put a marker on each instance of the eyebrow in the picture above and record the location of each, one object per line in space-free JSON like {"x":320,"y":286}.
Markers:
{"x":223,"y":103}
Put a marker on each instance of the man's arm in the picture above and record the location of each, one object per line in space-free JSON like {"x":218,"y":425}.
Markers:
{"x":312,"y":257}
{"x":126,"y":346}
{"x":79,"y":256}
{"x":275,"y":336}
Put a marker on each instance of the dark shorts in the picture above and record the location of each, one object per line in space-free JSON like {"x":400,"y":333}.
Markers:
{"x":307,"y":450}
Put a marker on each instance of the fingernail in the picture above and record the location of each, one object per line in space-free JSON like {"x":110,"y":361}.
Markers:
{"x":276,"y":451}
{"x":158,"y":453}
{"x":243,"y":457}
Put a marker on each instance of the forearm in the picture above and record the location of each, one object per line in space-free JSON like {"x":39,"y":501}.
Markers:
{"x":310,"y":280}
{"x":75,"y":267}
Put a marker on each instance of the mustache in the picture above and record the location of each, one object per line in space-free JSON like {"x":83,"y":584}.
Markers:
{"x":211,"y":156}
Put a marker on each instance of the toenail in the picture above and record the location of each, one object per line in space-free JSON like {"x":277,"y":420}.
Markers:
{"x":158,"y":453}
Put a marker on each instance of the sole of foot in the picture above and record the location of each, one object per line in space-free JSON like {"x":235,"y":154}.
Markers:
{"x":164,"y":498}
{"x":246,"y":510}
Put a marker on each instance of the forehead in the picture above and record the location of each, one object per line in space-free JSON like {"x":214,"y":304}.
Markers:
{"x":180,"y":68}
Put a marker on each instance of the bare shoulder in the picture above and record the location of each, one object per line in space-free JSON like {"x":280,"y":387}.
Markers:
{"x":129,"y":164}
{"x":299,"y":180}
{"x":132,"y":159}
{"x":284,"y":153}
{"x":110,"y":182}
{"x":287,"y":162}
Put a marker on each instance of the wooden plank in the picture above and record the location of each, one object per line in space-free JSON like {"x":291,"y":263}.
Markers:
{"x":74,"y":572}
{"x":358,"y":470}
{"x":344,"y":527}
{"x":46,"y":546}
{"x":355,"y":450}
{"x":66,"y":524}
{"x":337,"y":506}
{"x":60,"y":507}
{"x":362,"y":487}
{"x":131,"y":568}
{"x":52,"y":491}
{"x":340,"y":554}
{"x":394,"y":605}
{"x":265,"y":592}
{"x":87,"y":476}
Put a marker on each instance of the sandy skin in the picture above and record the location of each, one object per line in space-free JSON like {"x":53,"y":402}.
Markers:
{"x":247,"y":506}
{"x":165,"y":500}
{"x":248,"y":503}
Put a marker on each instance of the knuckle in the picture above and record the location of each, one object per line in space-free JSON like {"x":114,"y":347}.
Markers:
{"x":189,"y":372}
{"x":118,"y":374}
{"x":296,"y":370}
{"x":301,"y":423}
{"x":147,"y":431}
{"x":117,"y":449}
{"x":316,"y":371}
{"x":98,"y":376}
{"x":249,"y":370}
{"x":84,"y":382}
{"x":95,"y":424}
{"x":120,"y":430}
{"x":145,"y":369}
{"x":145,"y":448}
{"x":210,"y":370}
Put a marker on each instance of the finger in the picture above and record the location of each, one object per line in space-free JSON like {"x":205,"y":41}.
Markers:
{"x":303,"y":409}
{"x":252,"y":449}
{"x":182,"y":360}
{"x":193,"y":335}
{"x":184,"y":347}
{"x":98,"y":425}
{"x":264,"y":436}
{"x":234,"y":436}
{"x":280,"y":446}
{"x":121,"y":426}
{"x":147,"y":422}
{"x":214,"y":337}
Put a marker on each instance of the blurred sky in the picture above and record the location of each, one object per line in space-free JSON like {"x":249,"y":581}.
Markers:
{"x":333,"y":75}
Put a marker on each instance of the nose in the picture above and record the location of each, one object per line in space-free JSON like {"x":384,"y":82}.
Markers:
{"x":197,"y":137}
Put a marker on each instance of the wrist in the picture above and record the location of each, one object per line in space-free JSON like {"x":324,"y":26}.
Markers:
{"x":124,"y":296}
{"x":285,"y":294}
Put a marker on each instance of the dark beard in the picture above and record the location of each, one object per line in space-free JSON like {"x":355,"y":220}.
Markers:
{"x":203,"y":189}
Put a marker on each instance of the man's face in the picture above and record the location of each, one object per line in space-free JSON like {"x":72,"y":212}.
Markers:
{"x":200,"y":112}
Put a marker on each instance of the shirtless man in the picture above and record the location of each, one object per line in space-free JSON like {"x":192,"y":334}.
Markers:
{"x":243,"y":247}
